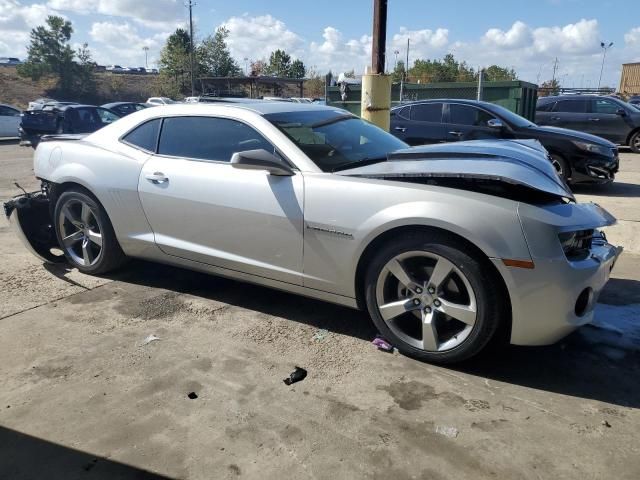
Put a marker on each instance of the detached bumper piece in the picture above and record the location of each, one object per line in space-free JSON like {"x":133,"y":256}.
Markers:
{"x":30,"y":217}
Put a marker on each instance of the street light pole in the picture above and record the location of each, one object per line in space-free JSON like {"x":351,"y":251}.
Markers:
{"x":246,"y":66}
{"x":146,"y":57}
{"x":605,"y":47}
{"x":193,"y":79}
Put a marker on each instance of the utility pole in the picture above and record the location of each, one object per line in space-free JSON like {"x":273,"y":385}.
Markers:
{"x":376,"y":85}
{"x":480,"y":81}
{"x":604,"y":47}
{"x":406,"y":65}
{"x":555,"y":69}
{"x":146,"y":56}
{"x":190,"y":5}
{"x":246,"y":66}
{"x":395,"y":65}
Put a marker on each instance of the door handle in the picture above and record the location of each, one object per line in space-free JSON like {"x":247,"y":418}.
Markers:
{"x":555,"y":119}
{"x":456,"y":133}
{"x":594,"y":119}
{"x":156,"y":178}
{"x":401,"y":129}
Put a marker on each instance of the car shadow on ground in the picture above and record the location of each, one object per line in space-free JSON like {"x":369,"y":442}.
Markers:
{"x":615,"y":189}
{"x":574,"y":366}
{"x":27,"y":457}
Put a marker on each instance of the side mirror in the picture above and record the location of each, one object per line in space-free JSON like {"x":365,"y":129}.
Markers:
{"x":495,"y":123}
{"x":622,"y":112}
{"x":261,"y":160}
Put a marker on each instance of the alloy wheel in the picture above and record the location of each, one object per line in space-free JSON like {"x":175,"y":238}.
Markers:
{"x":557,"y":165}
{"x":81,"y":232}
{"x":426,"y":301}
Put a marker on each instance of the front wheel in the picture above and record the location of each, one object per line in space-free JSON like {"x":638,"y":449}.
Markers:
{"x":432,"y":299}
{"x":85,"y":233}
{"x":560,"y":164}
{"x":634,"y":143}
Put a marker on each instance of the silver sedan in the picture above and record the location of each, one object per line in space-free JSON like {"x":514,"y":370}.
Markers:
{"x":448,"y":247}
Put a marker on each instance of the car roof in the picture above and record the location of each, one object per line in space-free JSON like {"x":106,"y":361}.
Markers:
{"x":555,"y":98}
{"x":116,"y":104}
{"x":464,"y":101}
{"x":259,"y":106}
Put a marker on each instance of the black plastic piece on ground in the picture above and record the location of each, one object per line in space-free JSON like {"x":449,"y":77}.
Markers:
{"x":192,"y":395}
{"x":297,"y":375}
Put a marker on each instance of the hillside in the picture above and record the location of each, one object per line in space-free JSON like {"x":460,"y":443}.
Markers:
{"x":19,"y":91}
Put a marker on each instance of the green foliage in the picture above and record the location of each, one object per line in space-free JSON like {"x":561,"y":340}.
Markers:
{"x":214,"y":58}
{"x":174,"y":65}
{"x":398,"y":72}
{"x":548,"y":88}
{"x":280,"y":65}
{"x":314,"y":86}
{"x":49,"y":53}
{"x":494,"y":73}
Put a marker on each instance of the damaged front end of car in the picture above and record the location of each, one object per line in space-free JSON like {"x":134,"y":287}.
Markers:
{"x":30,"y":217}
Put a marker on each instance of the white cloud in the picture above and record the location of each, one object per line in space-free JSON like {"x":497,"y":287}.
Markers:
{"x":582,"y":37}
{"x":632,"y":37}
{"x":155,"y":14}
{"x":121,"y":43}
{"x":256,"y":37}
{"x":519,"y":35}
{"x":16,"y":21}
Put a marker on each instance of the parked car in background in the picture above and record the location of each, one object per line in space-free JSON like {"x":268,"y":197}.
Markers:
{"x":9,"y":61}
{"x":117,"y":69}
{"x":63,"y":119}
{"x":160,"y":101}
{"x":576,"y":156}
{"x":606,"y":117}
{"x":39,"y":103}
{"x":447,"y":246}
{"x":634,"y":100}
{"x":9,"y":121}
{"x":125,"y":108}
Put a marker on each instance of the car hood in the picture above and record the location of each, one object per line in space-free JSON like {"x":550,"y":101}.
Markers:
{"x":574,"y":134}
{"x":521,"y":163}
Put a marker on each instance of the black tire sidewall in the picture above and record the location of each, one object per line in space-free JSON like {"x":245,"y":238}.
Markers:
{"x":566,"y":172}
{"x":487,"y":298}
{"x":634,"y":138}
{"x":111,"y":253}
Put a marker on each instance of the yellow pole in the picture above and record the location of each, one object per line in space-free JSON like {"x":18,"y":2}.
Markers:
{"x":376,"y":99}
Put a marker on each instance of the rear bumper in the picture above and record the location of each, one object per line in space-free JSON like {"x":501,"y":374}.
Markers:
{"x":557,"y":296}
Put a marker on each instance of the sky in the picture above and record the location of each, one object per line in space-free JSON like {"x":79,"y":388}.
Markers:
{"x":336,"y":35}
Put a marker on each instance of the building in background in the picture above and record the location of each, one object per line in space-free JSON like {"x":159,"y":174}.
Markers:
{"x":630,"y":80}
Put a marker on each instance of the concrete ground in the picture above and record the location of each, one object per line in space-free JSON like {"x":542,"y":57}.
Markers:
{"x":83,"y":397}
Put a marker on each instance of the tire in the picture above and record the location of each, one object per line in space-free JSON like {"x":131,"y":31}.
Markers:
{"x":634,"y":142}
{"x":561,"y":166}
{"x":85,"y":233}
{"x":447,"y":339}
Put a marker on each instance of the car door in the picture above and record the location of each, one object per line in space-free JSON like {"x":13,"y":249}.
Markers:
{"x":202,"y":209}
{"x":420,"y":124}
{"x":9,"y":121}
{"x":571,"y":113}
{"x":606,"y":120}
{"x":467,"y":122}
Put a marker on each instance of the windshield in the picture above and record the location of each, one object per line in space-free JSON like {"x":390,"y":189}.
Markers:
{"x":511,"y":118}
{"x":334,"y":140}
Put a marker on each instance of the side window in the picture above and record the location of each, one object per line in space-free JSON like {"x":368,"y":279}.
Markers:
{"x":208,"y":138}
{"x":466,"y":115}
{"x":571,"y":106}
{"x":545,"y":107}
{"x":8,"y":112}
{"x":427,"y":112}
{"x":106,"y":116}
{"x":600,"y":105}
{"x":145,"y":136}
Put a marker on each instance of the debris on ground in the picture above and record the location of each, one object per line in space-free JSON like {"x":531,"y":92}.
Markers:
{"x":297,"y":375}
{"x":450,"y":432}
{"x":149,"y":339}
{"x":382,"y":344}
{"x":192,"y":395}
{"x":320,"y":335}
{"x":606,"y":424}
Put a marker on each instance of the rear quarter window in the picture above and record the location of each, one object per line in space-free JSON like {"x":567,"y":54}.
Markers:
{"x":145,"y":136}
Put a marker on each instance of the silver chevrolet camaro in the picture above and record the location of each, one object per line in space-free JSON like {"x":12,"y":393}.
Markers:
{"x":448,"y":247}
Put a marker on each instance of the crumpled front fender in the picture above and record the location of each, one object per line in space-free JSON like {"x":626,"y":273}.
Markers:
{"x":30,"y":217}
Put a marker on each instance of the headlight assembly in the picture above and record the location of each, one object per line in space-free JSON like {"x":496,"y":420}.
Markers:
{"x":593,"y":148}
{"x":576,"y":245}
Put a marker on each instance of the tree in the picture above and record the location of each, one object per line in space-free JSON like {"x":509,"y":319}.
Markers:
{"x":214,"y":56}
{"x":494,"y":73}
{"x":548,"y":88}
{"x":399,"y":72}
{"x":49,"y":53}
{"x":314,"y":86}
{"x":258,"y":68}
{"x":84,"y":69}
{"x":297,"y":69}
{"x":174,"y":64}
{"x":279,"y":64}
{"x":446,"y":70}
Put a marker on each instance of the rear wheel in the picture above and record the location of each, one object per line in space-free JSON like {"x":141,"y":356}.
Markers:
{"x":634,"y":143}
{"x":85,"y":233}
{"x":432,"y":299}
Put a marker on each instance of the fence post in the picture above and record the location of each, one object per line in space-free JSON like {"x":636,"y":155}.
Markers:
{"x":480,"y":75}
